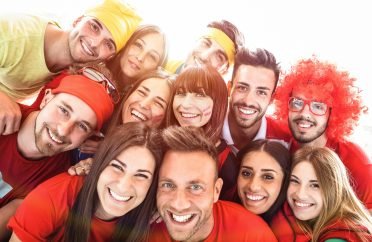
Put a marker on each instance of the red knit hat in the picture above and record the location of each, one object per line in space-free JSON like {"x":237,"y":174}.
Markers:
{"x":91,"y":92}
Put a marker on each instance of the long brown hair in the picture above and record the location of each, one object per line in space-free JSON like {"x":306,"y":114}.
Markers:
{"x":206,"y":77}
{"x":133,"y":226}
{"x":116,"y":119}
{"x":114,"y":64}
{"x":339,"y":199}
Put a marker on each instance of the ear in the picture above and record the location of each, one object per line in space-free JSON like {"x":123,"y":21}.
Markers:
{"x":48,"y":95}
{"x":217,"y":189}
{"x":76,"y":21}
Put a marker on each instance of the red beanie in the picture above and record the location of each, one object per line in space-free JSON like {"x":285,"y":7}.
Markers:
{"x":91,"y":92}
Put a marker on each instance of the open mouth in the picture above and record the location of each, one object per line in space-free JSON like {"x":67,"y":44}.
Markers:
{"x":138,"y":115}
{"x":86,"y":48}
{"x":302,"y":204}
{"x":247,"y":111}
{"x":181,"y":219}
{"x":118,"y":197}
{"x":54,"y":137}
{"x":254,"y":198}
{"x":188,"y":115}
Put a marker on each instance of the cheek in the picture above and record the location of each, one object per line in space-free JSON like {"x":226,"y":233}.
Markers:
{"x":207,"y":110}
{"x":157,"y":116}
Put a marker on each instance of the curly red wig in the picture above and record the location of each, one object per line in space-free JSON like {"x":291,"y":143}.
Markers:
{"x":323,"y":82}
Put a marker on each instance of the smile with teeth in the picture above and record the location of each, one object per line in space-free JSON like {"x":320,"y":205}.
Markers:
{"x":53,"y":137}
{"x":86,"y":49}
{"x":138,"y":115}
{"x":197,"y":61}
{"x":305,"y":125}
{"x":302,"y":204}
{"x":188,"y":115}
{"x":247,"y":111}
{"x":182,"y":218}
{"x":254,"y":197}
{"x":118,"y":197}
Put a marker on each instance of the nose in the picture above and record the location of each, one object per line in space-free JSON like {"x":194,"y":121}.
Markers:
{"x":145,"y":103}
{"x":124,"y":182}
{"x":254,"y":184}
{"x":141,"y":56}
{"x":187,"y":100}
{"x":65,"y":128}
{"x":205,"y":56}
{"x":180,"y":201}
{"x":301,"y":192}
{"x":306,"y":111}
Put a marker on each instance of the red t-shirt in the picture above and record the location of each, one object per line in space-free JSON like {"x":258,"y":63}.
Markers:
{"x":232,"y":222}
{"x":18,"y":176}
{"x":43,"y":213}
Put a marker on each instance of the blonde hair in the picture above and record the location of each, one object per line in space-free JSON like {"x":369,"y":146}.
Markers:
{"x":339,"y":199}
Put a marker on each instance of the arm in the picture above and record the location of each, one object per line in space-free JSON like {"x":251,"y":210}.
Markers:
{"x":82,"y":168}
{"x":14,"y":238}
{"x":5,"y":213}
{"x":10,"y":115}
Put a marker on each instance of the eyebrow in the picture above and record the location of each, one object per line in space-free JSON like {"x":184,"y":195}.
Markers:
{"x":158,"y":97}
{"x":153,"y":50}
{"x":125,"y":166}
{"x":264,"y":170}
{"x":247,"y":85}
{"x":72,"y":111}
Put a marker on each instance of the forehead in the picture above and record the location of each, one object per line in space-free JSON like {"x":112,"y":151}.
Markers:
{"x":304,"y":170}
{"x":260,"y":160}
{"x":213,"y":44}
{"x":137,"y":158}
{"x":255,"y":76}
{"x":183,"y":167}
{"x":157,"y":86}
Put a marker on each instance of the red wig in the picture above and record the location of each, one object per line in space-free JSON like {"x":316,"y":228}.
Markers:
{"x":323,"y":82}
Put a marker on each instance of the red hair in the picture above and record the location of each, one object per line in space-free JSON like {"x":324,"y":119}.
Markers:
{"x":323,"y":82}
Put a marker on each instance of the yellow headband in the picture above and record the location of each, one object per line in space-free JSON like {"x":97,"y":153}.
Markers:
{"x":119,"y":18}
{"x":224,"y":41}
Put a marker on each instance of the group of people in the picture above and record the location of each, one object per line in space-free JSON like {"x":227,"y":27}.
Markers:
{"x":123,"y":144}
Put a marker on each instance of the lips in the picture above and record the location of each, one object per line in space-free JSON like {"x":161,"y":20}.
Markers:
{"x":54,"y":137}
{"x":181,"y":219}
{"x":118,"y":197}
{"x":134,"y":65}
{"x":302,"y":204}
{"x":254,"y":198}
{"x":86,"y":48}
{"x":138,"y":115}
{"x":188,"y":115}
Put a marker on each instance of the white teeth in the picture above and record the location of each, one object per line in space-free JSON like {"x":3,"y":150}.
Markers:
{"x":304,"y":125}
{"x":247,"y":111}
{"x":118,"y":197}
{"x":139,"y":115}
{"x":300,"y":204}
{"x":86,"y":49}
{"x":188,"y":115}
{"x":197,"y":61}
{"x":54,"y":138}
{"x":255,"y":197}
{"x":181,"y":218}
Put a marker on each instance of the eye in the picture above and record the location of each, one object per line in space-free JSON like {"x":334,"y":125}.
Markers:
{"x":83,"y":127}
{"x":205,"y":43}
{"x":314,"y":185}
{"x":297,"y":103}
{"x":242,"y":88}
{"x":167,"y":185}
{"x":141,"y":93}
{"x":221,"y":58}
{"x":94,"y":27}
{"x":200,"y":94}
{"x":159,"y":104}
{"x":143,"y":176}
{"x":261,"y":93}
{"x":246,"y":173}
{"x":196,"y":187}
{"x":294,"y":181}
{"x":268,"y":177}
{"x":63,"y":110}
{"x":138,"y":44}
{"x":117,"y":166}
{"x":154,"y":58}
{"x":180,"y":92}
{"x":110,"y":45}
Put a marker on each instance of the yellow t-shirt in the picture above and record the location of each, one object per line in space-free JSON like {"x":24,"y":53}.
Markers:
{"x":23,"y":70}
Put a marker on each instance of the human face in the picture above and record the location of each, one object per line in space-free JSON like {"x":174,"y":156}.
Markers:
{"x":63,"y":124}
{"x":186,"y":193}
{"x":192,"y":109}
{"x":304,"y":194}
{"x":124,"y":183}
{"x":250,"y":95}
{"x":143,"y":55}
{"x":147,"y":103}
{"x":305,"y":126}
{"x":208,"y":51}
{"x":259,"y":182}
{"x":90,"y":40}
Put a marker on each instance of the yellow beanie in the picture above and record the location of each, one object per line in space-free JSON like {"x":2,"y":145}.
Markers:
{"x":118,"y":17}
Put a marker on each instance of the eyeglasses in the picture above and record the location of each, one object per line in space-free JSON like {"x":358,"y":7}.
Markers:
{"x":317,"y":108}
{"x":99,"y":77}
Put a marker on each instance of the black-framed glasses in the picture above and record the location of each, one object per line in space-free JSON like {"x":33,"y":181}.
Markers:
{"x":296,"y":104}
{"x":99,"y":77}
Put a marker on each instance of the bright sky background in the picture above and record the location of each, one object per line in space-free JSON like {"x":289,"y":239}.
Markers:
{"x":337,"y":31}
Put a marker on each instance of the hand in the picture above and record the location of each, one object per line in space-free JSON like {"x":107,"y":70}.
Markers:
{"x":82,"y":168}
{"x":10,"y":115}
{"x":90,"y":146}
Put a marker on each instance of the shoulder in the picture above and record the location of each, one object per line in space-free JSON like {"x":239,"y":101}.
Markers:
{"x":348,"y":149}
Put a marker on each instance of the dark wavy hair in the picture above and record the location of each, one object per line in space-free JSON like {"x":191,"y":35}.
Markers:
{"x":133,"y":226}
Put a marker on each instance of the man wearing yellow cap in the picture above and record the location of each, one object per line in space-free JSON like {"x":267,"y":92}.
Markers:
{"x":67,"y":116}
{"x":217,"y":47}
{"x":33,"y":48}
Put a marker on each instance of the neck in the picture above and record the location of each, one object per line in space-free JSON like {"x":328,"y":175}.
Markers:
{"x":56,"y":48}
{"x":204,"y":231}
{"x":26,"y":138}
{"x":321,"y":141}
{"x":241,"y":136}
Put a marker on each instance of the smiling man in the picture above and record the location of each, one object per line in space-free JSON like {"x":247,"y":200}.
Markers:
{"x":33,"y":48}
{"x":216,"y":47}
{"x":255,"y":77}
{"x":322,"y":105}
{"x":188,"y":192}
{"x":68,"y":115}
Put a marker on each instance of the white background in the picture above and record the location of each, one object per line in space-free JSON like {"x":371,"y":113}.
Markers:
{"x":337,"y":31}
